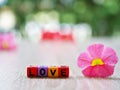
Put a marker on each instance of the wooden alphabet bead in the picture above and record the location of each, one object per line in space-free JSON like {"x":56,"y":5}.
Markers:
{"x":63,"y":71}
{"x":32,"y":71}
{"x":53,"y":72}
{"x":42,"y":71}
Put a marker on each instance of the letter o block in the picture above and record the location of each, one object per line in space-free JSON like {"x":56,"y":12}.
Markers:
{"x":53,"y":72}
{"x":42,"y":71}
{"x":63,"y":71}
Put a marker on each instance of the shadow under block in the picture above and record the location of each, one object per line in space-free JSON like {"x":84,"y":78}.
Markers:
{"x":63,"y":71}
{"x":32,"y":71}
{"x":42,"y":71}
{"x":53,"y":72}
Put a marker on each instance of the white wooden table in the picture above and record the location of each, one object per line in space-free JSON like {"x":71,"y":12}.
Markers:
{"x":13,"y":66}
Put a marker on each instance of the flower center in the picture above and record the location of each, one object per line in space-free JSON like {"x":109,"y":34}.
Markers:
{"x":5,"y":45}
{"x":97,"y":61}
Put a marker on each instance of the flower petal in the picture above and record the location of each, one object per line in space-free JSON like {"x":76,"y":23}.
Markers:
{"x":98,"y":71}
{"x":84,"y":60}
{"x":95,"y":50}
{"x":109,"y":56}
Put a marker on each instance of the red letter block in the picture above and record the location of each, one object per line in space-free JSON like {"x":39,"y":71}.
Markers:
{"x":63,"y":71}
{"x":32,"y":71}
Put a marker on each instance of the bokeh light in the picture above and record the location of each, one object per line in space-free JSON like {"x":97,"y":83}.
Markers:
{"x":7,"y":20}
{"x":3,"y":2}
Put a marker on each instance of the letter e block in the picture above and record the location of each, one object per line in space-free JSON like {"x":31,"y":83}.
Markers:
{"x":63,"y":71}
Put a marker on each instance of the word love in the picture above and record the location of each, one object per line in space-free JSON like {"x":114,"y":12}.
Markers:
{"x":45,"y":71}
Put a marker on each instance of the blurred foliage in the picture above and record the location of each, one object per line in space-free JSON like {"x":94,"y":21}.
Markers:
{"x":102,"y":15}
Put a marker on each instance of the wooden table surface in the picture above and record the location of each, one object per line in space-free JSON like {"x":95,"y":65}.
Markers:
{"x":13,"y":66}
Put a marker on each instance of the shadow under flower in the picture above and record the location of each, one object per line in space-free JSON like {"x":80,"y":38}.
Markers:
{"x":109,"y":78}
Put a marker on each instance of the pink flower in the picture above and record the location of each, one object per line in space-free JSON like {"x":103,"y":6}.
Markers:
{"x":97,"y":61}
{"x":7,"y":41}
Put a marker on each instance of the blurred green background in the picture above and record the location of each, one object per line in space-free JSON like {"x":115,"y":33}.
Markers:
{"x":102,"y":15}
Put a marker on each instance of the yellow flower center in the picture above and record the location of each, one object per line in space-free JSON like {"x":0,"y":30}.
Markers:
{"x":97,"y":61}
{"x":5,"y":45}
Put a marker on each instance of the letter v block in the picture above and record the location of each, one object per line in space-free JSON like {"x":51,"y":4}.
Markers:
{"x":32,"y":71}
{"x":53,"y":72}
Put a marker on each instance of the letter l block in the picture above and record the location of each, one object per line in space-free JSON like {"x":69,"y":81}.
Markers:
{"x":32,"y":71}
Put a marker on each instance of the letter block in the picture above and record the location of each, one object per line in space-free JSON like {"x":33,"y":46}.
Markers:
{"x":50,"y":72}
{"x":32,"y":71}
{"x":53,"y":72}
{"x":63,"y":71}
{"x":42,"y":71}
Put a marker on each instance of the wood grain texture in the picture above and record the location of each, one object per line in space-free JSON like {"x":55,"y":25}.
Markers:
{"x":13,"y":66}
